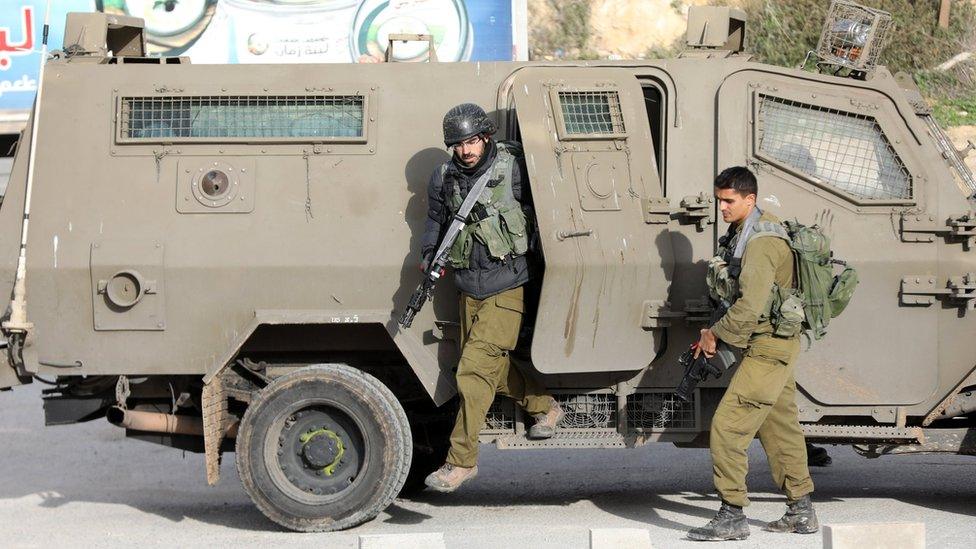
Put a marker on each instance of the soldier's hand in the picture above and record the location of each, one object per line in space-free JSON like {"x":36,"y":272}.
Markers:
{"x":425,"y":266}
{"x":707,"y":343}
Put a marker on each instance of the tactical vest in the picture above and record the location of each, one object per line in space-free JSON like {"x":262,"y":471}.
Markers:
{"x":784,"y":308}
{"x":499,"y":223}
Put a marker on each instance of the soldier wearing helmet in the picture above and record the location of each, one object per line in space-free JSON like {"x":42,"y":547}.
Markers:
{"x":492,"y":264}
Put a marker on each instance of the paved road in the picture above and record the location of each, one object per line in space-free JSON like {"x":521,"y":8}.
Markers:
{"x":84,"y":485}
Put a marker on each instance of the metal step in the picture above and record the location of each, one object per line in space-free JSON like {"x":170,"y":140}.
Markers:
{"x":863,"y":433}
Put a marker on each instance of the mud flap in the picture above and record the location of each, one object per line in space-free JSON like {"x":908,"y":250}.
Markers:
{"x":215,"y":425}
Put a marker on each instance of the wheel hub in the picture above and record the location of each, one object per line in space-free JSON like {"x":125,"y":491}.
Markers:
{"x":322,"y":449}
{"x":319,"y":453}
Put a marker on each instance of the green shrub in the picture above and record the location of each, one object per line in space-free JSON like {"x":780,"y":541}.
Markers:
{"x":567,"y":33}
{"x":781,"y":32}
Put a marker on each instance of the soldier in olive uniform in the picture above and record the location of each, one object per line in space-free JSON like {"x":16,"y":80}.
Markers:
{"x":491,"y":267}
{"x":755,"y":265}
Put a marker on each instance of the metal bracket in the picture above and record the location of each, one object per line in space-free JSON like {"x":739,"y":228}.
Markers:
{"x":698,"y":310}
{"x":923,"y":228}
{"x":696,"y":209}
{"x":922,"y":290}
{"x":446,"y":330}
{"x":964,"y":152}
{"x":658,"y":314}
{"x":657,"y":210}
{"x":429,"y":38}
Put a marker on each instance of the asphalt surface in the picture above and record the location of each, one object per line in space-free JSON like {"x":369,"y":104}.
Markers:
{"x":85,"y":485}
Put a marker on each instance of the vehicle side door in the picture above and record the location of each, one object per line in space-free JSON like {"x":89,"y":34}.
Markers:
{"x":601,"y":216}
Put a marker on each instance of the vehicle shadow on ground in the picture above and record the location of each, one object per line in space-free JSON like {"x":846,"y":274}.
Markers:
{"x":110,"y":470}
{"x":649,"y":502}
{"x":168,"y":504}
{"x":636,"y":505}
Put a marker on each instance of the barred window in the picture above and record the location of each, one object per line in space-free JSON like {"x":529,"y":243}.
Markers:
{"x":592,"y":113}
{"x":203,"y":118}
{"x":845,"y":150}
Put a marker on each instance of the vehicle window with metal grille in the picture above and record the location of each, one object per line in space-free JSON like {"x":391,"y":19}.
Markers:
{"x":209,"y":118}
{"x":844,"y":150}
{"x":592,"y":113}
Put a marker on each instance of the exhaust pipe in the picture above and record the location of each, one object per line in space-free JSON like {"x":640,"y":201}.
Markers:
{"x":157,"y":422}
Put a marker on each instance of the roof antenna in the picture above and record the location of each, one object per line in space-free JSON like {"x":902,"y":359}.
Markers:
{"x":17,"y":326}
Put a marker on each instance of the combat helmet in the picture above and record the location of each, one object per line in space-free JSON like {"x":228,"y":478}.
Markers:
{"x":464,"y":121}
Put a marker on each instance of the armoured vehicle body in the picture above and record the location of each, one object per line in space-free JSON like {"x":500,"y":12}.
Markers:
{"x":219,"y":253}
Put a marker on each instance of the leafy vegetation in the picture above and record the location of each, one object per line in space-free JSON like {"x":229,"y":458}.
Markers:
{"x":560,"y":29}
{"x":781,"y":32}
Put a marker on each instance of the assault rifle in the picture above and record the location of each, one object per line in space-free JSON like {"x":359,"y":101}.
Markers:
{"x":435,"y":265}
{"x":698,"y":369}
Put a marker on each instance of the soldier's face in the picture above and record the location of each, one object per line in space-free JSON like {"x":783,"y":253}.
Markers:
{"x":734,"y":206}
{"x":470,"y":150}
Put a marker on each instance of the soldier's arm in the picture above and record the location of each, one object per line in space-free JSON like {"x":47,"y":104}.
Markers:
{"x":436,"y":214}
{"x":760,"y":261}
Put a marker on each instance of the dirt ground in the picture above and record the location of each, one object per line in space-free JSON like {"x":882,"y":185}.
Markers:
{"x":627,"y":29}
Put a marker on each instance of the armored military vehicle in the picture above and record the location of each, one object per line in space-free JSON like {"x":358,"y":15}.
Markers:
{"x":217,"y":255}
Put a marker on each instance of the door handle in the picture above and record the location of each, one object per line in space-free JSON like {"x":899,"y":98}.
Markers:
{"x":563,"y":235}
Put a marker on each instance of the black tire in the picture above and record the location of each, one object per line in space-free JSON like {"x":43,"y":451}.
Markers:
{"x":324,"y":448}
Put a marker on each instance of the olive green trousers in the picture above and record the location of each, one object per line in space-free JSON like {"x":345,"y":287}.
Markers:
{"x":489,"y":330}
{"x":760,"y":399}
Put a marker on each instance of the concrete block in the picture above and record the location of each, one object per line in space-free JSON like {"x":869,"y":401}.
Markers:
{"x":402,"y":541}
{"x":619,"y":538}
{"x":874,"y":535}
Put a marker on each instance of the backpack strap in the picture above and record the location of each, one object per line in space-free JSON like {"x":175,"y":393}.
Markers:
{"x":778,"y":230}
{"x":769,"y":228}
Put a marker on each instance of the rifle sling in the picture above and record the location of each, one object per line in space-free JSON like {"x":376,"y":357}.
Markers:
{"x":460,"y":220}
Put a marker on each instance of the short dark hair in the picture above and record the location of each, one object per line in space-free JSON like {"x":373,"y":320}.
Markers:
{"x":739,"y":179}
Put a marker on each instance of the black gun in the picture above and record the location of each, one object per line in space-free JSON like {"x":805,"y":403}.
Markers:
{"x":698,"y":369}
{"x":419,"y":297}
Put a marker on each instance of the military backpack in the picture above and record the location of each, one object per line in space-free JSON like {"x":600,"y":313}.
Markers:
{"x":819,"y":294}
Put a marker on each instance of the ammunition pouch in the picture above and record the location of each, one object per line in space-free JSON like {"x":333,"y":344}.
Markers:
{"x":478,"y":213}
{"x":786,"y":312}
{"x":497,"y":220}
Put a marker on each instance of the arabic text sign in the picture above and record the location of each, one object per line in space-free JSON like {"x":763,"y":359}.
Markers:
{"x":21,"y":25}
{"x":260,"y":31}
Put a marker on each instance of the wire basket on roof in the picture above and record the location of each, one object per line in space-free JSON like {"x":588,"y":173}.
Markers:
{"x":853,"y":36}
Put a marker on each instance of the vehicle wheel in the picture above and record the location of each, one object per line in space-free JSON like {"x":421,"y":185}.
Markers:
{"x":324,"y":448}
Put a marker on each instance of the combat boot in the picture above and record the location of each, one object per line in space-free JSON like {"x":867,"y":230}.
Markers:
{"x":729,"y":524}
{"x":800,"y":518}
{"x":449,"y":477}
{"x":545,"y":424}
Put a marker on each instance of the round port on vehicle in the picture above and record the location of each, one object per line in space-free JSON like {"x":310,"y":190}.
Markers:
{"x":215,"y":184}
{"x":125,"y":289}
